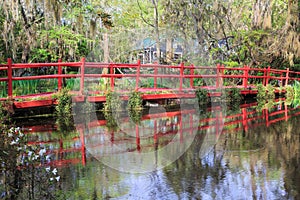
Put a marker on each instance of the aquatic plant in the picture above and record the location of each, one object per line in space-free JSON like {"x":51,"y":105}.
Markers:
{"x":235,"y":95}
{"x":289,"y":92}
{"x":135,"y":101}
{"x":202,"y":96}
{"x":63,"y":110}
{"x":111,"y":109}
{"x":296,"y":99}
{"x":265,"y":92}
{"x":296,"y":88}
{"x":135,"y":106}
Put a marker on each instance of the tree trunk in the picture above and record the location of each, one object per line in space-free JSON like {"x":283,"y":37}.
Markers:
{"x":169,"y":51}
{"x":106,"y":57}
{"x":292,"y":29}
{"x":156,"y":27}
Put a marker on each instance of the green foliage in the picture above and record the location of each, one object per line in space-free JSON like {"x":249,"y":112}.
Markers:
{"x":270,"y":92}
{"x":63,"y":111}
{"x":135,"y":101}
{"x":235,"y":95}
{"x":112,"y":109}
{"x":261,"y":91}
{"x":202,"y":96}
{"x":289,"y":92}
{"x":3,"y":89}
{"x":296,"y":88}
{"x":265,"y":93}
{"x":6,"y":110}
{"x":135,"y":106}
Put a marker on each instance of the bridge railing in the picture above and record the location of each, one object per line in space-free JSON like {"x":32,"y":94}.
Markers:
{"x":143,"y":77}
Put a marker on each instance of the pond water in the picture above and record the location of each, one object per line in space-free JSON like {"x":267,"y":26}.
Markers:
{"x":245,"y":153}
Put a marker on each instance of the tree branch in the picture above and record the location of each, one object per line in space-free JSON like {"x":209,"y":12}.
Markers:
{"x":142,"y":16}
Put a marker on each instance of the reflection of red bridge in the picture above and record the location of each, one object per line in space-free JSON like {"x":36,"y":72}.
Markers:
{"x":162,"y":131}
{"x":167,"y":82}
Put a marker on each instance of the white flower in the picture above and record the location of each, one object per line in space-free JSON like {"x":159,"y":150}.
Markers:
{"x":57,"y":178}
{"x":30,"y":153}
{"x":42,"y":151}
{"x":10,"y":134}
{"x":51,"y":179}
{"x":48,"y":169}
{"x":54,"y":171}
{"x":48,"y":157}
{"x":13,"y":142}
{"x":19,"y":148}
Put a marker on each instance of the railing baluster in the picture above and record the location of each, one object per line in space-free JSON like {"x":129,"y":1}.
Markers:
{"x":59,"y":72}
{"x":82,"y":67}
{"x":192,"y":74}
{"x":181,"y":76}
{"x":9,"y":76}
{"x":112,"y":79}
{"x":138,"y":71}
{"x":246,"y":75}
{"x":287,"y":76}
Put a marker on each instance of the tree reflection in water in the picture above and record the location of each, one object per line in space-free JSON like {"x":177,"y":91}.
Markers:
{"x":255,"y":157}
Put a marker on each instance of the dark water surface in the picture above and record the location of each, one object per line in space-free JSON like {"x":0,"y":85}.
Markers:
{"x":246,"y":153}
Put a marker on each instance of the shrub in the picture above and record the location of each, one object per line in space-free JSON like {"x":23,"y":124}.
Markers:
{"x":202,"y":96}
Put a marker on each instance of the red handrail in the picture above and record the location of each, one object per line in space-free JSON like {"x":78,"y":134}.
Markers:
{"x":214,"y":74}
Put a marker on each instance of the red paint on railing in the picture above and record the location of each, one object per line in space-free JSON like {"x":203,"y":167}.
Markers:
{"x":190,"y":73}
{"x":9,"y":76}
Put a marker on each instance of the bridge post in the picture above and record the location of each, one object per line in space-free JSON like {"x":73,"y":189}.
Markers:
{"x":112,"y":79}
{"x":155,"y":76}
{"x":181,"y":76}
{"x":59,"y":71}
{"x":138,"y":72}
{"x":82,"y":76}
{"x":267,"y":76}
{"x":287,"y":76}
{"x":192,"y":74}
{"x":246,"y":75}
{"x":9,"y":76}
{"x":218,"y":76}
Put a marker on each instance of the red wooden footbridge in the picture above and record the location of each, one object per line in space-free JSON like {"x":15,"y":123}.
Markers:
{"x":155,"y":81}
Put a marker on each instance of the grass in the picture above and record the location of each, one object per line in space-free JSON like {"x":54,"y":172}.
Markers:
{"x":26,"y":87}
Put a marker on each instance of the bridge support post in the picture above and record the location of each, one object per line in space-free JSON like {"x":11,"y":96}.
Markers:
{"x":138,"y":72}
{"x":218,"y":76}
{"x":9,"y":76}
{"x":181,"y":76}
{"x":59,"y":71}
{"x":82,"y":76}
{"x":267,"y":76}
{"x":287,"y":76}
{"x":246,"y":75}
{"x":155,"y":76}
{"x":112,"y":79}
{"x":192,"y":74}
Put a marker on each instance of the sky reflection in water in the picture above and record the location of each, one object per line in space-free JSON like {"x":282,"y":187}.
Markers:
{"x":253,"y":158}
